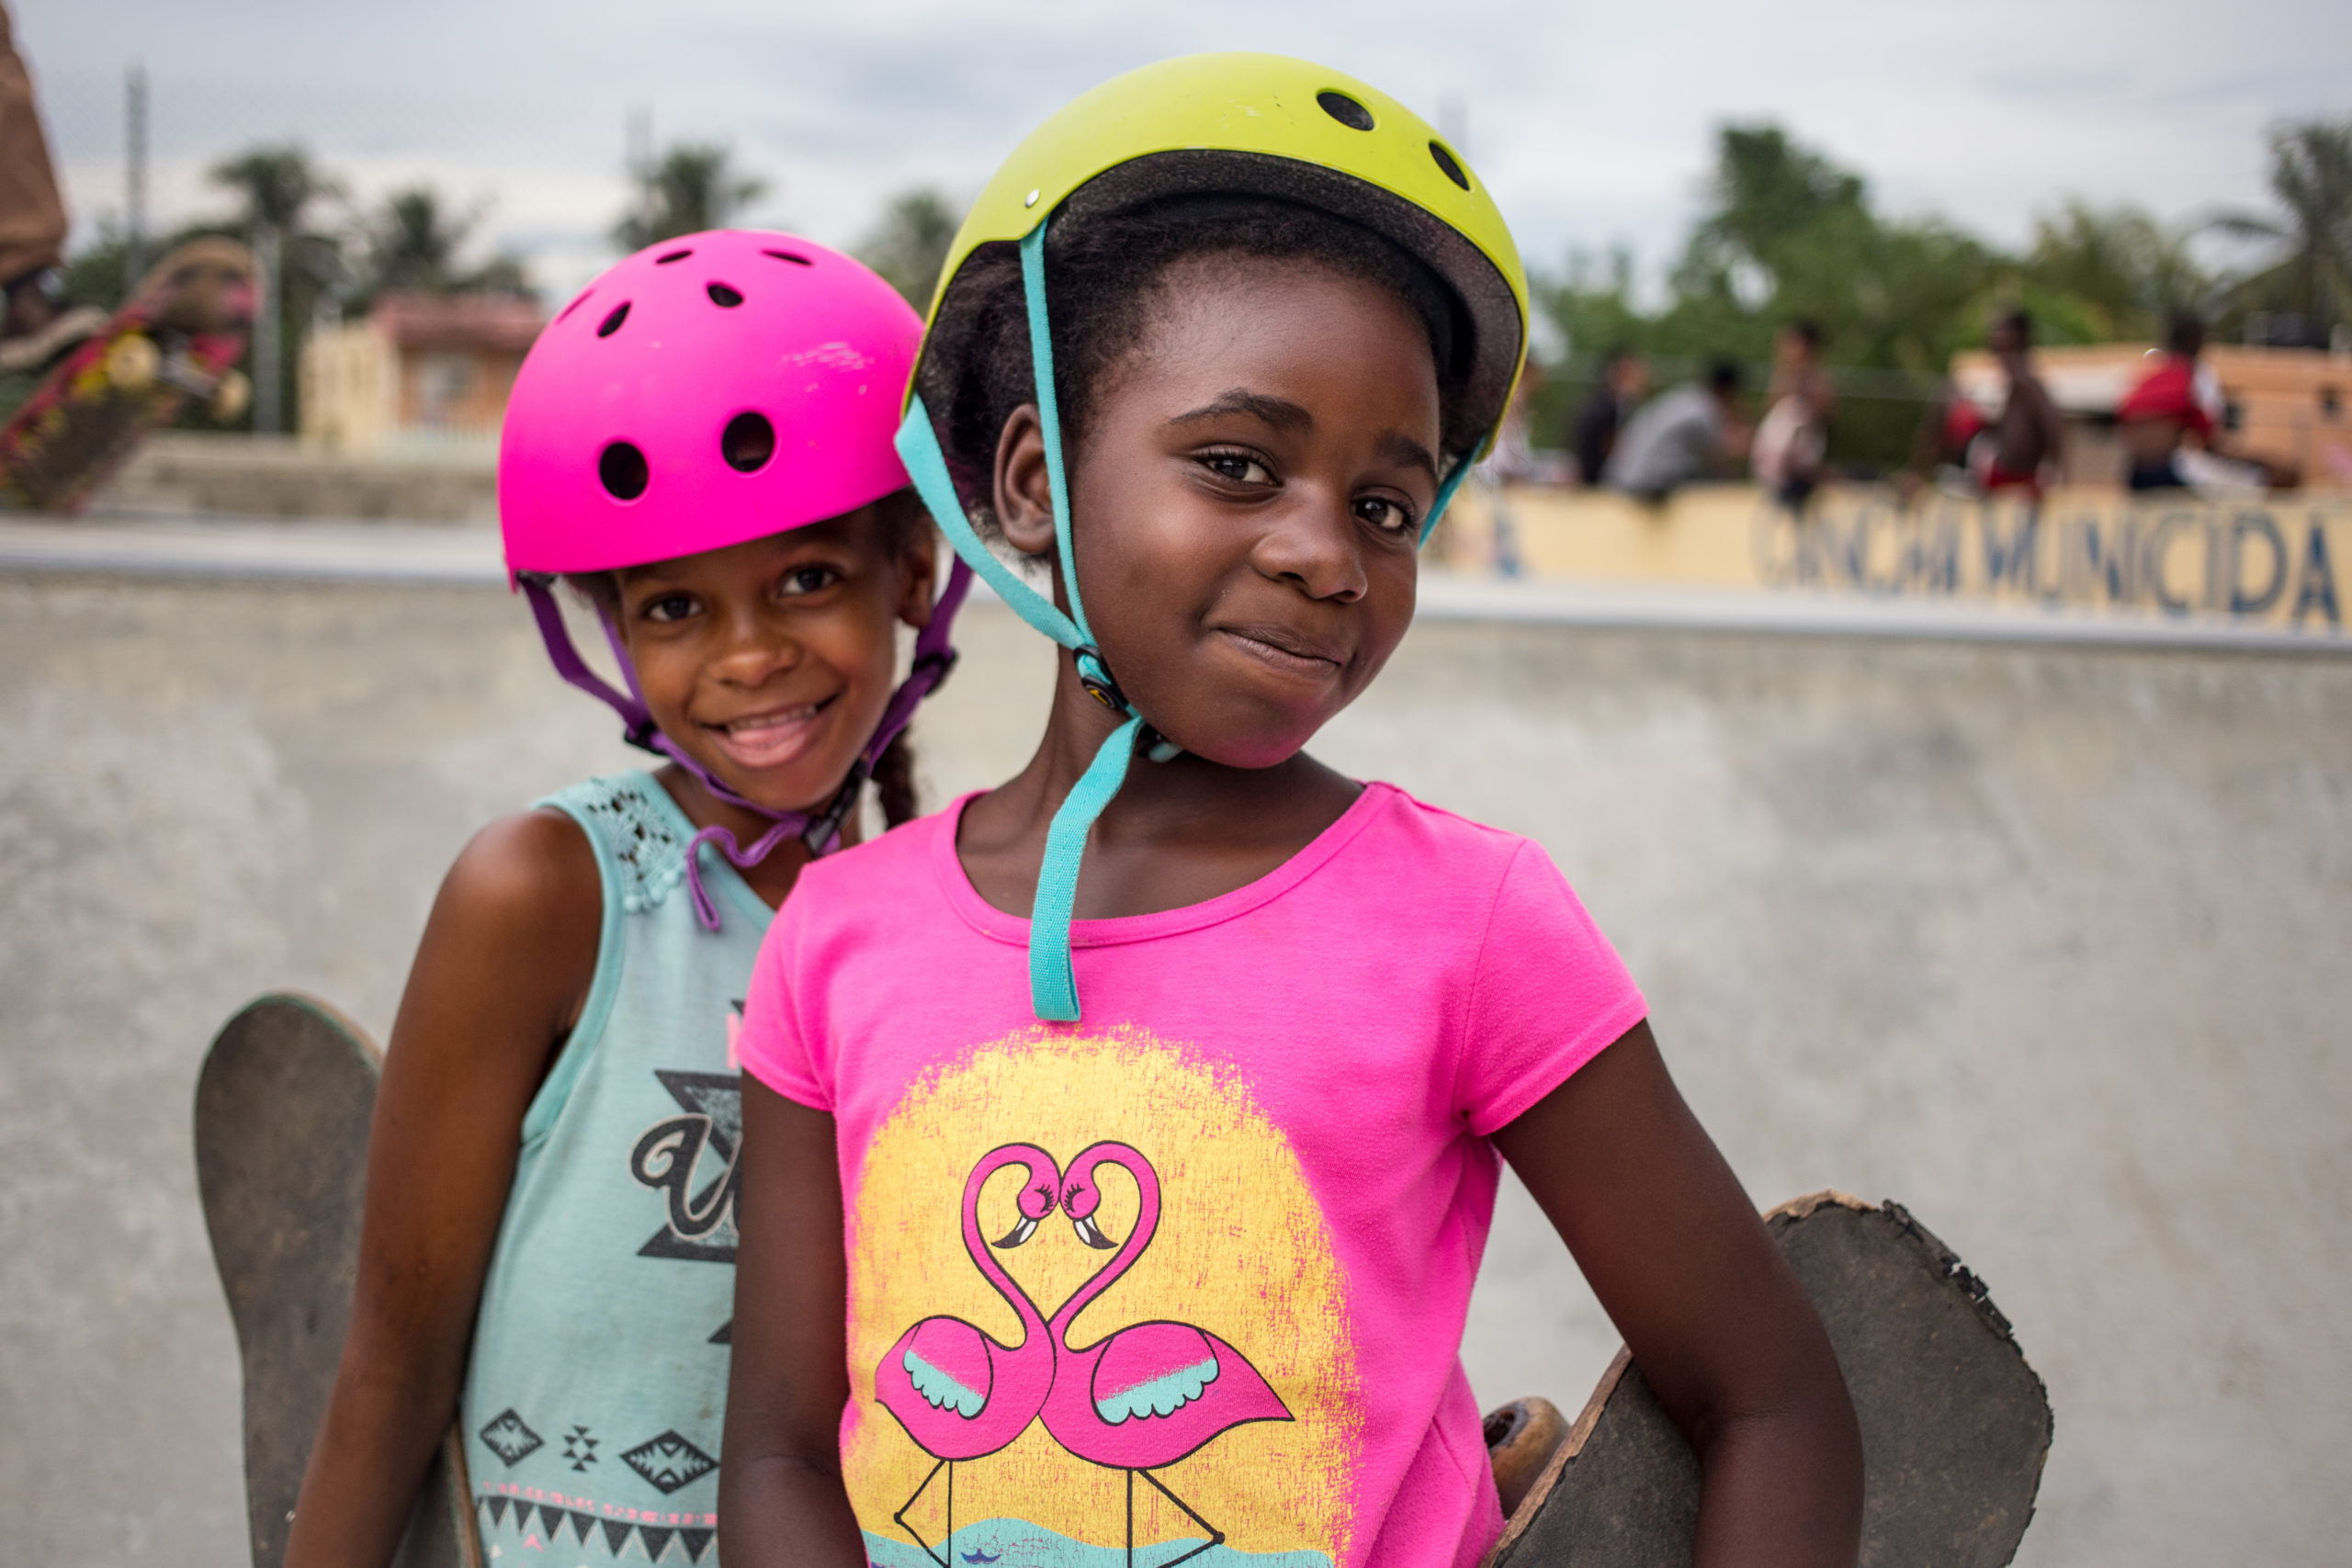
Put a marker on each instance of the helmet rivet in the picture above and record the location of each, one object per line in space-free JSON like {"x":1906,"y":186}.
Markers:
{"x":1030,"y":199}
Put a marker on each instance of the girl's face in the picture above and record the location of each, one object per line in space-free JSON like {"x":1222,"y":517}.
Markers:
{"x":771,"y":662}
{"x":1247,"y":500}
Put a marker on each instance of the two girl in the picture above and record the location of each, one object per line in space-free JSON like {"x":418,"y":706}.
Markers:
{"x":701,"y":443}
{"x":1120,"y":1143}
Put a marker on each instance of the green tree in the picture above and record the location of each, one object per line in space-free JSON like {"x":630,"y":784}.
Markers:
{"x":908,"y":246}
{"x":416,"y":242}
{"x":413,"y":240}
{"x":690,"y":187}
{"x":2311,"y":272}
{"x":1788,"y":234}
{"x":280,"y":188}
{"x":2104,"y":273}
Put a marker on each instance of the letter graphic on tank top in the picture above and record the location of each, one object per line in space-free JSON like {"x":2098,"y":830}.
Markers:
{"x":690,"y":1159}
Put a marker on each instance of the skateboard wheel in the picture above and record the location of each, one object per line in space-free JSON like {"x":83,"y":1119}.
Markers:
{"x":1521,"y":1438}
{"x":132,"y":361}
{"x":231,"y":397}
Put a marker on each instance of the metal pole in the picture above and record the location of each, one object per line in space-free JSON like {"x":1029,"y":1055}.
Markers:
{"x":268,"y":362}
{"x":134,"y":178}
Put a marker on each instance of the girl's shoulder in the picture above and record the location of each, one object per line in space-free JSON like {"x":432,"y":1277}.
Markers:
{"x":1400,"y":825}
{"x":526,"y":864}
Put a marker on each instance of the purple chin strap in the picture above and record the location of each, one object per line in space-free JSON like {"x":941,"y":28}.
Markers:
{"x":821,"y":831}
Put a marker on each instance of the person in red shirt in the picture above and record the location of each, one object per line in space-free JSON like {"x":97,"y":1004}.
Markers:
{"x":2174,"y":404}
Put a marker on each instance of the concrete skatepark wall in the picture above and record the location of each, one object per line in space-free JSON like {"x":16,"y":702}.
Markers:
{"x":2043,"y":941}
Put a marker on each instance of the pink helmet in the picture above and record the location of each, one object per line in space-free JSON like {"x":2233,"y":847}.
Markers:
{"x":709,"y":391}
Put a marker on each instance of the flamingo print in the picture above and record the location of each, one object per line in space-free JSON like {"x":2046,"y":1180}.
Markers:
{"x":1146,"y":1395}
{"x":959,"y":1393}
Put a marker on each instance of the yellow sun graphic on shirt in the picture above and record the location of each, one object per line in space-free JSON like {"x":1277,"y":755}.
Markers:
{"x":1239,"y":1252}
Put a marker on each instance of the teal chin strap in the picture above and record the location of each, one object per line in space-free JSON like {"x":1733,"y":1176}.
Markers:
{"x":1053,"y":988}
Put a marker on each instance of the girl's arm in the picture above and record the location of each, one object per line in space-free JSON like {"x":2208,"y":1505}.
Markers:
{"x":503,"y":968}
{"x":780,"y":1494}
{"x":1708,"y":1306}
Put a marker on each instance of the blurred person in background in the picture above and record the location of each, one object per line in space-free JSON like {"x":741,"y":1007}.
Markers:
{"x":2171,"y":422}
{"x":1691,"y":433}
{"x":1624,"y":381}
{"x":32,"y":226}
{"x":1794,"y":438}
{"x":2010,"y":453}
{"x":2176,"y":403}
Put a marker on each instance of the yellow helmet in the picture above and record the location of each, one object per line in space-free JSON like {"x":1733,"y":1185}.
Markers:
{"x":1207,"y":125}
{"x":1268,"y":125}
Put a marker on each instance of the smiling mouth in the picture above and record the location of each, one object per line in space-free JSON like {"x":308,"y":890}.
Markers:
{"x":771,"y":738}
{"x":1279,"y":650}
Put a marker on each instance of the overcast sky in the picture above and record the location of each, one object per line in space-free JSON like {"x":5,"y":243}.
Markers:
{"x":1592,"y":122}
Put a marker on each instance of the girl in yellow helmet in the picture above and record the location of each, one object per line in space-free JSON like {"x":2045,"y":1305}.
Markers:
{"x":1120,"y":1143}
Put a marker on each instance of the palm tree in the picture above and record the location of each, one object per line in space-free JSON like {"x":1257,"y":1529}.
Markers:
{"x":2311,"y":175}
{"x":279,"y":187}
{"x":413,"y":241}
{"x":691,"y":187}
{"x":2118,"y":264}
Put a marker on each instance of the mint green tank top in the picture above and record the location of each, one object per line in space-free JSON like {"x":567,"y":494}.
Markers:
{"x":598,"y":1376}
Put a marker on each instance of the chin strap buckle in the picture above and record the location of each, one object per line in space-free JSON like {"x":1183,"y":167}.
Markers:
{"x":1095,"y":676}
{"x":826,"y":825}
{"x":938,"y":663}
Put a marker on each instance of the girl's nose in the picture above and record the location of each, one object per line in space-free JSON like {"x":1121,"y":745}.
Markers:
{"x":754,"y":650}
{"x":1314,"y":546}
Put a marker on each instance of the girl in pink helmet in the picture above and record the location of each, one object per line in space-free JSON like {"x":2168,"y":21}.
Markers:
{"x":700,"y":445}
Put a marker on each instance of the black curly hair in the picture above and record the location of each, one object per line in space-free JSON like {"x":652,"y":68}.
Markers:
{"x":1102,"y":279}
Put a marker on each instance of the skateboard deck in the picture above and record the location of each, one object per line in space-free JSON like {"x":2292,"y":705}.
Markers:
{"x":282,"y":1107}
{"x":179,"y":337}
{"x":1955,"y":1425}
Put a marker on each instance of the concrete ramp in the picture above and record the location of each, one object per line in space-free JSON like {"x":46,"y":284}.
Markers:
{"x":2044,"y":940}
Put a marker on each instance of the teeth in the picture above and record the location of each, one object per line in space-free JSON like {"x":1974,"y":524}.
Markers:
{"x":772,"y":721}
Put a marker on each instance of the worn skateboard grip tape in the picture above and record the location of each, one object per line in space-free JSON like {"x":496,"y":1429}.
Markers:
{"x":282,"y":1107}
{"x":1955,"y":1425}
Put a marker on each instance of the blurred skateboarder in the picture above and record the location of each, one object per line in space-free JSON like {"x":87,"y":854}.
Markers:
{"x":1691,"y":433}
{"x":1793,"y":439}
{"x":2009,"y":454}
{"x":32,"y":226}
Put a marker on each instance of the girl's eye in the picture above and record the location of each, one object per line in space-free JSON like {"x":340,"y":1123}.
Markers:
{"x":1238,"y":468}
{"x":1385,"y":514}
{"x":808,"y":580}
{"x":669,"y":607}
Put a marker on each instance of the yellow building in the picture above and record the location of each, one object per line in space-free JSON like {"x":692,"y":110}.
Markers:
{"x":417,"y":370}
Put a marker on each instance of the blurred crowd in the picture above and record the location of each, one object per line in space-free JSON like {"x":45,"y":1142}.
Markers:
{"x":1646,"y":441}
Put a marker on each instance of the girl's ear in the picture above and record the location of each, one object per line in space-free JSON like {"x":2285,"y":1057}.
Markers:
{"x":918,"y":589}
{"x":1024,"y":491}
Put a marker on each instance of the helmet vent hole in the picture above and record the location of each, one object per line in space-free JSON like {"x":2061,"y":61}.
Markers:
{"x":788,"y":257}
{"x":577,"y":303}
{"x":748,"y":442}
{"x":665,"y":259}
{"x":622,"y":469}
{"x":1345,"y":109}
{"x":612,"y":324}
{"x":723,"y":297}
{"x":1448,"y":166}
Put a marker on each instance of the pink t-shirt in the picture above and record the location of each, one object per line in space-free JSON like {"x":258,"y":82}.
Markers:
{"x":1200,"y":1262}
